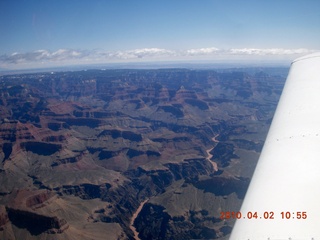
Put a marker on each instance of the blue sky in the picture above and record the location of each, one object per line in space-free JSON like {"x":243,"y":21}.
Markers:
{"x":41,"y":33}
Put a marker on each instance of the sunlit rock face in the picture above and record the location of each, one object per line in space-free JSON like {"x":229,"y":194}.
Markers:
{"x":81,"y":151}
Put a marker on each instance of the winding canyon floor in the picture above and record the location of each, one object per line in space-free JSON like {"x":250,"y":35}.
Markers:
{"x":130,"y":154}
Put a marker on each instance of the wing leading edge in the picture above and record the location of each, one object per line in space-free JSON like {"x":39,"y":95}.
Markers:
{"x":283,"y":199}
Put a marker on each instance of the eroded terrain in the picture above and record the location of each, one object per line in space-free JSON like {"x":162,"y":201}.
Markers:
{"x":81,"y":151}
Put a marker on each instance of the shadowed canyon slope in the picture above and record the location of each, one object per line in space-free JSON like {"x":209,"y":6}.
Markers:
{"x":80,"y":151}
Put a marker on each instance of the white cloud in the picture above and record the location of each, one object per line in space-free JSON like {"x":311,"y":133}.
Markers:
{"x":41,"y":56}
{"x":202,"y":51}
{"x":142,"y":53}
{"x":71,"y":56}
{"x":269,"y":51}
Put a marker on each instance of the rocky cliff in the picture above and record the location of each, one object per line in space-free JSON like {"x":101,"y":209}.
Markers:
{"x":80,"y":151}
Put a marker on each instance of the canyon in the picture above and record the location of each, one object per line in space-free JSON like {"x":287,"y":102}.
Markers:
{"x":130,"y":153}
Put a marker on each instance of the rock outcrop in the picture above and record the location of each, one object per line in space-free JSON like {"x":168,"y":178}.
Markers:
{"x":36,"y":223}
{"x":4,"y":219}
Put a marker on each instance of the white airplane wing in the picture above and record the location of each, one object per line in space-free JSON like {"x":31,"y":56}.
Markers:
{"x":283,"y":199}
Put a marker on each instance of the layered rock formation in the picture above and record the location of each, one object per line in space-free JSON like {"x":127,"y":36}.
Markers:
{"x":80,"y":151}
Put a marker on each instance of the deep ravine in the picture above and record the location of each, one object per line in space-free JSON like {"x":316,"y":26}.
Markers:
{"x":134,"y":216}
